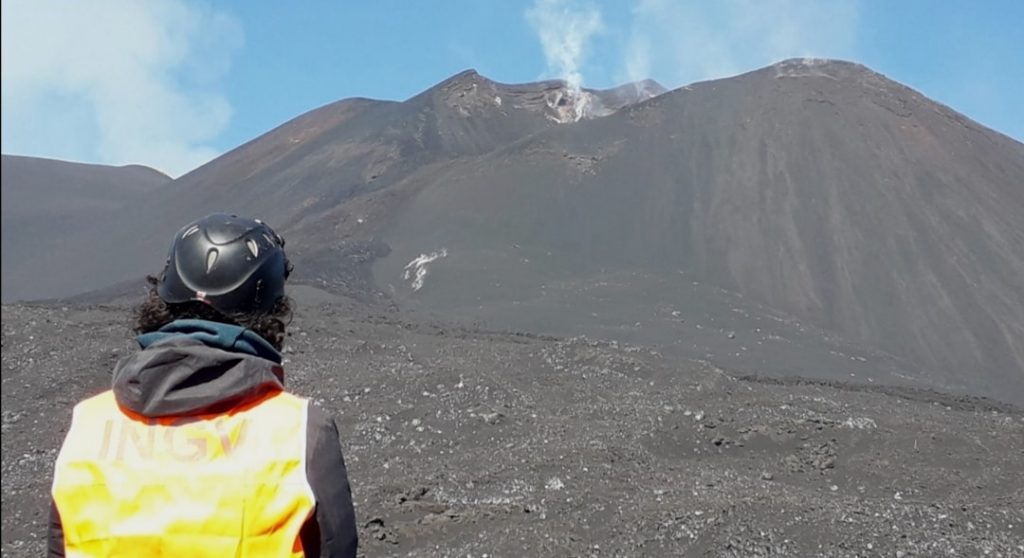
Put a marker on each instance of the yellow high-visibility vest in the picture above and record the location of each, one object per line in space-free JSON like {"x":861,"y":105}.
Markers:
{"x":230,"y":484}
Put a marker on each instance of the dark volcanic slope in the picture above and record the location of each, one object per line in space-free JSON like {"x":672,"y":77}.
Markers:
{"x":51,"y":210}
{"x":464,"y":443}
{"x":300,"y":176}
{"x":820,"y":189}
{"x":883,"y":231}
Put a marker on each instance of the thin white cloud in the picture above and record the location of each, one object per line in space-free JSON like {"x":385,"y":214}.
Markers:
{"x":116,"y":82}
{"x":564,"y":28}
{"x":682,"y":41}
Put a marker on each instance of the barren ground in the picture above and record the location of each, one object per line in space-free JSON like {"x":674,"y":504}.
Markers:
{"x":464,"y":442}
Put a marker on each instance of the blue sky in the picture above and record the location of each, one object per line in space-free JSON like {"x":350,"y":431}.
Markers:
{"x":174,"y":83}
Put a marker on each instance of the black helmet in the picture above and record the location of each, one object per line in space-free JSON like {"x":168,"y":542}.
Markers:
{"x":234,"y":264}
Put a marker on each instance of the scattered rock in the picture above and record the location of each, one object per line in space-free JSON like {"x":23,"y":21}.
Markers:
{"x":492,"y":418}
{"x":377,"y":531}
{"x":413,"y":495}
{"x":554,"y":483}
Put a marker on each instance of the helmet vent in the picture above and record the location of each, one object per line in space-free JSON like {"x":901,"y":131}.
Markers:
{"x":191,"y":231}
{"x":211,"y":258}
{"x":253,"y":247}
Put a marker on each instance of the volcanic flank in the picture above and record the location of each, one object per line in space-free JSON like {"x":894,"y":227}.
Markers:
{"x":54,"y":217}
{"x":812,"y":218}
{"x":819,"y":189}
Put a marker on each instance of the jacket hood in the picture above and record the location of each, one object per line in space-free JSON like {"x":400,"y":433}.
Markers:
{"x":193,"y":367}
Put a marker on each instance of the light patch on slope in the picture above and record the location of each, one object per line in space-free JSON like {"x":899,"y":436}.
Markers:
{"x":803,"y":67}
{"x":859,"y":423}
{"x":569,"y":105}
{"x":417,"y":270}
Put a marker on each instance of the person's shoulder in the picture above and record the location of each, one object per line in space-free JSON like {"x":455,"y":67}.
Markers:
{"x":322,"y":434}
{"x":318,"y":418}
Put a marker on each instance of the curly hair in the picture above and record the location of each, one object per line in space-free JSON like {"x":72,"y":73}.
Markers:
{"x":153,"y":313}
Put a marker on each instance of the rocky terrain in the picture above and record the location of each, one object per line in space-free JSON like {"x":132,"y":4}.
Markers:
{"x":468,"y":442}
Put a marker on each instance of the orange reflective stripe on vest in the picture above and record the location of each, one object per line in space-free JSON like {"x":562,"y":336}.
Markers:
{"x":215,"y":485}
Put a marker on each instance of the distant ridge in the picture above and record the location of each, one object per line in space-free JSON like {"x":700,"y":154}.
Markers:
{"x":50,"y":207}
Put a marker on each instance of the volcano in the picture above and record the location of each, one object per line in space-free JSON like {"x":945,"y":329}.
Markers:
{"x":811,"y":218}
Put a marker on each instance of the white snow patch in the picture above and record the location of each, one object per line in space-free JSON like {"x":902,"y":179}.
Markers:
{"x":416,"y":271}
{"x":497,"y":100}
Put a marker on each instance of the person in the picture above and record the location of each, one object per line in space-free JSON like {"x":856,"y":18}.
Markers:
{"x":198,"y":450}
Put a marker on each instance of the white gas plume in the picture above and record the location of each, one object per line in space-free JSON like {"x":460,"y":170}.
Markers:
{"x":565,"y":29}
